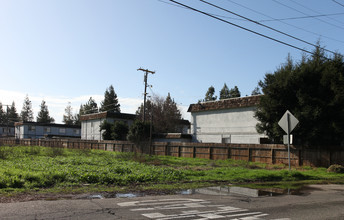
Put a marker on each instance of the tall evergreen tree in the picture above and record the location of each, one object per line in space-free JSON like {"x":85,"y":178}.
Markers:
{"x":90,"y":107}
{"x":110,"y":102}
{"x":209,"y":96}
{"x":234,"y":92}
{"x":256,"y":91}
{"x":12,"y":114}
{"x":313,"y":90}
{"x":165,"y":113}
{"x":43,"y":114}
{"x":224,"y":93}
{"x":68,"y":117}
{"x":3,"y":117}
{"x":26,"y":113}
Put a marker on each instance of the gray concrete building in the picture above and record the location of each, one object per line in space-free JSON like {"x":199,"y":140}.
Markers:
{"x":225,"y":121}
{"x":32,"y":130}
{"x":90,"y":123}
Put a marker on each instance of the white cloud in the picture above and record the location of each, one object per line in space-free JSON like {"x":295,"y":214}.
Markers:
{"x":56,"y":105}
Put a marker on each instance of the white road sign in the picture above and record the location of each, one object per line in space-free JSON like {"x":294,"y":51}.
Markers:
{"x":283,"y":123}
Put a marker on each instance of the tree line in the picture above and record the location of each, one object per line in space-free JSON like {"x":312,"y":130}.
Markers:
{"x":10,"y":115}
{"x":225,"y":93}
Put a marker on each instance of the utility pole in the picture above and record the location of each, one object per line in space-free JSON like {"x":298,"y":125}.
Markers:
{"x":145,"y":93}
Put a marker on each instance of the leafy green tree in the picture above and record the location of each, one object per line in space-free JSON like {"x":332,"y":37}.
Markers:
{"x":139,"y":132}
{"x":313,"y":90}
{"x":224,"y":93}
{"x":107,"y":129}
{"x":43,"y":115}
{"x":120,"y":131}
{"x":110,"y":102}
{"x":90,"y":107}
{"x":164,"y":112}
{"x":234,"y":92}
{"x":26,"y":113}
{"x":209,"y":95}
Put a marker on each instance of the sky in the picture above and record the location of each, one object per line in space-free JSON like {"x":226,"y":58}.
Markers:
{"x":64,"y":51}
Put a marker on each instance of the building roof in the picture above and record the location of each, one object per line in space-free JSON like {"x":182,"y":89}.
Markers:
{"x":103,"y":115}
{"x":247,"y":101}
{"x":47,"y":124}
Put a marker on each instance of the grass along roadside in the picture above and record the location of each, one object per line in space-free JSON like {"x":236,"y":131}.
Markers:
{"x":42,"y":170}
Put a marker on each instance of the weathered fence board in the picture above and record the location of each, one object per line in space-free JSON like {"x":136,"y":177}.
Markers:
{"x":264,"y":153}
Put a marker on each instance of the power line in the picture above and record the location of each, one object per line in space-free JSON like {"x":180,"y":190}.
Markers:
{"x":301,"y":17}
{"x":256,"y":22}
{"x":314,"y":11}
{"x":302,"y":29}
{"x":246,"y":29}
{"x":338,"y":3}
{"x":307,"y":14}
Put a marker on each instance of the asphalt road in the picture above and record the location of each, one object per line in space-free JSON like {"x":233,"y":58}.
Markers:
{"x":317,"y":202}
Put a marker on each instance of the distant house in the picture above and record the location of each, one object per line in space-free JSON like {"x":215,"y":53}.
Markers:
{"x":34,"y":130}
{"x":6,"y":130}
{"x":90,"y":123}
{"x":226,"y":121}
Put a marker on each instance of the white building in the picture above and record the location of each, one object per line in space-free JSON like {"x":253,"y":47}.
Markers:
{"x":90,"y":123}
{"x":225,"y":121}
{"x":32,"y":130}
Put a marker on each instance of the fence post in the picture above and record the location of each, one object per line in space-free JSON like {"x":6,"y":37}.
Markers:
{"x":194,"y":152}
{"x":273,"y":156}
{"x":179,"y":153}
{"x":229,"y":153}
{"x":249,"y":154}
{"x":301,"y":159}
{"x":166,"y":150}
{"x":210,"y":152}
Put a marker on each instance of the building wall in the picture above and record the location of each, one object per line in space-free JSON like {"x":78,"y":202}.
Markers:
{"x":38,"y":131}
{"x":236,"y":125}
{"x":90,"y":129}
{"x":6,"y":131}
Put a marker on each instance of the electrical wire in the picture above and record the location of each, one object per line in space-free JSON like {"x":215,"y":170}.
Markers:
{"x":313,"y":10}
{"x":246,"y":29}
{"x":307,"y":14}
{"x":299,"y":28}
{"x":301,"y":17}
{"x":338,"y":3}
{"x":263,"y":25}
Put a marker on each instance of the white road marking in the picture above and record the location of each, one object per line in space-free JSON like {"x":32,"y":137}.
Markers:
{"x":150,"y":207}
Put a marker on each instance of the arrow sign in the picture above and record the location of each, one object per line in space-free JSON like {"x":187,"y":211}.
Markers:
{"x":286,"y":119}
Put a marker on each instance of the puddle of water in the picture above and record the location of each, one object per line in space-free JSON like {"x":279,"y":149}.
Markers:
{"x":127,"y":195}
{"x":235,"y":190}
{"x":95,"y":197}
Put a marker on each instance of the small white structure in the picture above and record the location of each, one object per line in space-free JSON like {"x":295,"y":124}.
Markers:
{"x":225,"y":121}
{"x":33,"y":130}
{"x":6,"y":130}
{"x":90,"y":123}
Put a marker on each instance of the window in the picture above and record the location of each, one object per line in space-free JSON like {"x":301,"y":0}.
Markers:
{"x":62,"y":130}
{"x":47,"y":130}
{"x":32,"y":128}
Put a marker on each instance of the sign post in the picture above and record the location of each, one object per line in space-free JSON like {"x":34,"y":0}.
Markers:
{"x":288,"y":122}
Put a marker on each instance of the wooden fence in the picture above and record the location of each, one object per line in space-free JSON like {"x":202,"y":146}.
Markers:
{"x":264,"y":153}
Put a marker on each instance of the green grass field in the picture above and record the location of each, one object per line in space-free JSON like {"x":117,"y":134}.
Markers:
{"x":38,"y":169}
